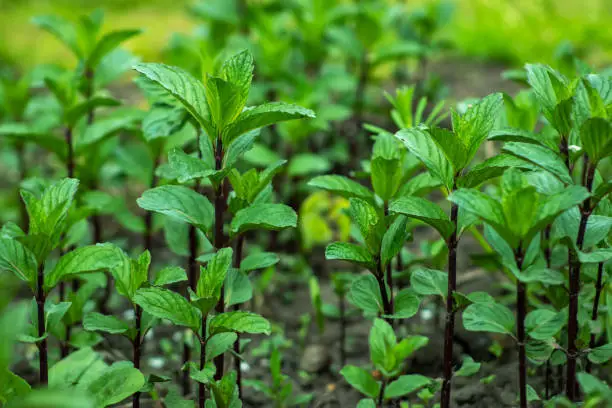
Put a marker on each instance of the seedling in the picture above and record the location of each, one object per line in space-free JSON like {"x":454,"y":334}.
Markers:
{"x":387,"y":356}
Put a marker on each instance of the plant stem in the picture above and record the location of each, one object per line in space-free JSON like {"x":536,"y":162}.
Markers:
{"x":598,"y":289}
{"x":547,"y":380}
{"x":380,"y":278}
{"x":574,"y":277}
{"x":42,"y":344}
{"x":220,"y":204}
{"x":237,"y":261}
{"x":201,"y":386}
{"x":521,"y":312}
{"x":449,"y":329}
{"x":389,"y":269}
{"x":381,"y":395}
{"x":137,"y":344}
{"x":342,"y":307}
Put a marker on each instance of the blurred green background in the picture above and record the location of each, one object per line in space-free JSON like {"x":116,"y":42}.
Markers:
{"x":511,"y":31}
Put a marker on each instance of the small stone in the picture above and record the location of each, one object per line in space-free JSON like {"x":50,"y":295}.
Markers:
{"x":315,"y":359}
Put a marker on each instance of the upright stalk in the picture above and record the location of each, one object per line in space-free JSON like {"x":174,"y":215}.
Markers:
{"x":137,"y":343}
{"x":449,"y":329}
{"x":521,"y":312}
{"x":381,"y":395}
{"x":380,"y":278}
{"x":598,"y":289}
{"x":574,"y":268}
{"x":220,"y":204}
{"x":236,"y":261}
{"x":389,"y":270}
{"x":201,"y":387}
{"x":42,"y":344}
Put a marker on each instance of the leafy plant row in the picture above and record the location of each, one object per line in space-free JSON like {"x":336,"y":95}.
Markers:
{"x":542,"y":203}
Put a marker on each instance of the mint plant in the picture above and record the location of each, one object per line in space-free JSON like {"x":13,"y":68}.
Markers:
{"x":26,"y":255}
{"x":217,"y":106}
{"x":446,"y":155}
{"x":388,"y":356}
{"x":517,"y":218}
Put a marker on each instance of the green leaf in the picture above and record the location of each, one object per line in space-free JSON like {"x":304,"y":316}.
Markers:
{"x":543,"y":324}
{"x":596,"y":137}
{"x":491,"y":168}
{"x":366,"y":403}
{"x":540,"y":274}
{"x":342,"y":186}
{"x":190,"y":92}
{"x":345,"y":251}
{"x":239,"y":322}
{"x":165,"y":304}
{"x":542,"y":157}
{"x":394,"y":239}
{"x":481,"y":205}
{"x":131,"y":274}
{"x":54,"y":313}
{"x":94,"y":321}
{"x":273,"y":217}
{"x":264,"y":115}
{"x":424,"y":210}
{"x":367,"y":219}
{"x":181,"y":203}
{"x":170,"y":274}
{"x":595,"y":256}
{"x":386,"y":177}
{"x":115,"y":384}
{"x":62,"y":29}
{"x":260,"y":260}
{"x":92,"y":258}
{"x":557,"y":203}
{"x":238,"y":70}
{"x":601,"y":354}
{"x":225,"y":102}
{"x":211,"y":279}
{"x":108,"y":43}
{"x":405,"y":304}
{"x":532,"y":395}
{"x":219,"y":344}
{"x":422,"y":145}
{"x":365,"y":294}
{"x":405,"y":384}
{"x":468,"y":368}
{"x":516,"y":135}
{"x":69,"y":371}
{"x":238,"y":288}
{"x":382,"y":341}
{"x":488,"y":317}
{"x":361,"y":380}
{"x":474,"y":126}
{"x":425,"y":281}
{"x":454,"y":149}
{"x":18,"y":259}
{"x":187,"y":167}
